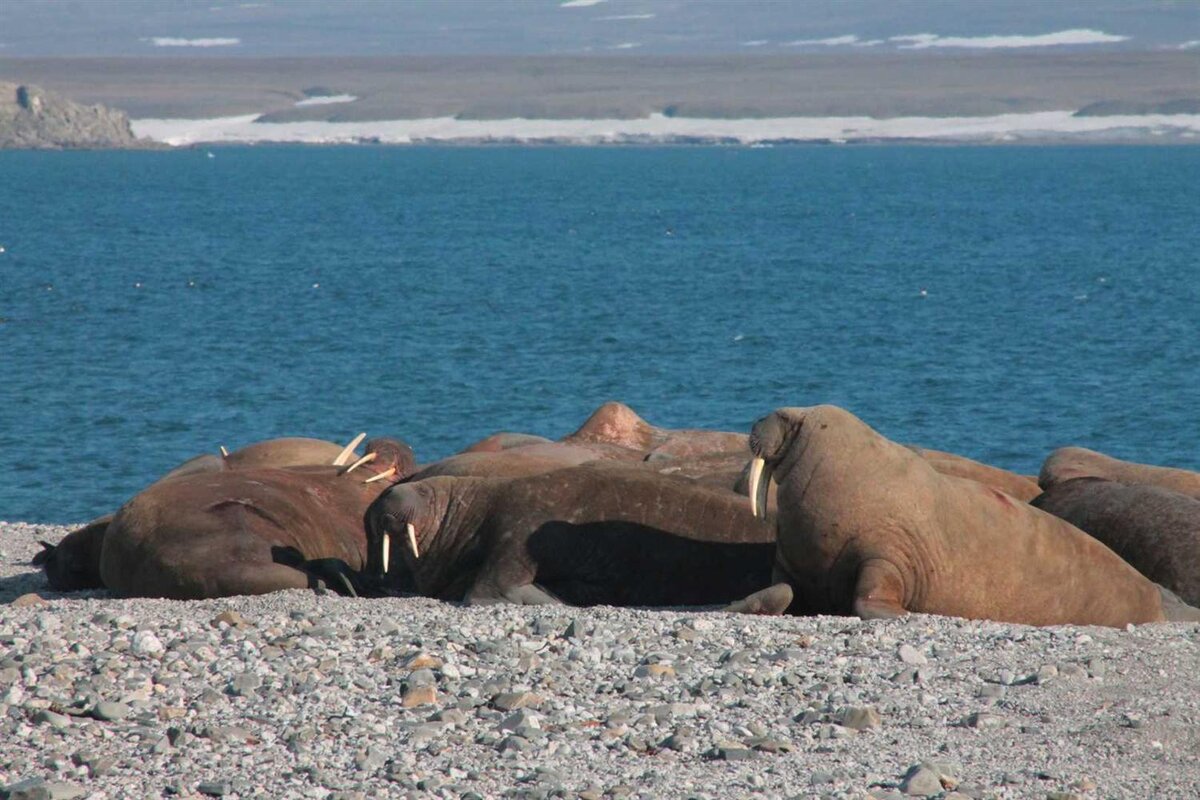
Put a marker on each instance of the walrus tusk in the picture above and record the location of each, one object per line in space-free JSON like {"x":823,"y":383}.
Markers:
{"x":412,"y":539}
{"x":367,"y":459}
{"x":224,"y":452}
{"x":387,"y":552}
{"x":348,"y":451}
{"x":760,"y":482}
{"x":387,"y":473}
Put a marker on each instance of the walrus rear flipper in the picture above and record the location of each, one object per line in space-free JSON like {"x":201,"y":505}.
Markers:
{"x":44,"y":556}
{"x":879,"y":593}
{"x":1175,"y":610}
{"x":772,"y":601}
{"x":527,"y":594}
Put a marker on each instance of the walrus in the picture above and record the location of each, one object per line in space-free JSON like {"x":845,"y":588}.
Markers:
{"x":1154,"y":529}
{"x":1020,"y":487}
{"x":867,"y":527}
{"x":248,"y":531}
{"x":499,"y":442}
{"x":594,"y":534}
{"x":617,"y":423}
{"x":74,"y":563}
{"x":1067,"y":463}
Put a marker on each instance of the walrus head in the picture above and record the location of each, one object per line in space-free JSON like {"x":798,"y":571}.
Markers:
{"x":404,"y":512}
{"x":769,"y":439}
{"x":391,"y":459}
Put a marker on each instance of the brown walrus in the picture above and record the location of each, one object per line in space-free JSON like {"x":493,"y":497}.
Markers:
{"x":1016,"y":485}
{"x":617,"y":423}
{"x":1067,"y":463}
{"x":595,"y":534}
{"x":867,"y":527}
{"x":74,"y":563}
{"x":1156,"y":530}
{"x":246,"y":531}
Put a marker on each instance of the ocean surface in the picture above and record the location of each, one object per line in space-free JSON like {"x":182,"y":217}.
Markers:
{"x":995,"y":302}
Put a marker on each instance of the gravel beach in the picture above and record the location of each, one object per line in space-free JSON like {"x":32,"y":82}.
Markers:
{"x":296,"y":694}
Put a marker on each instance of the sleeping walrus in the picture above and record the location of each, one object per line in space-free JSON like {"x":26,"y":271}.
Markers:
{"x":74,"y":563}
{"x":595,"y":534}
{"x":1067,"y":463}
{"x":868,"y":527}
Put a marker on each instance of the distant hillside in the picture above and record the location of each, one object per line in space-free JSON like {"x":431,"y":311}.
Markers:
{"x":31,"y":118}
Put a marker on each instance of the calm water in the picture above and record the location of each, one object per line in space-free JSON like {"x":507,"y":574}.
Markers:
{"x":156,"y":305}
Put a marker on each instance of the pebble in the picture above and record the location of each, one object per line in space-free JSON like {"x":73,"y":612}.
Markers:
{"x":329,"y":698}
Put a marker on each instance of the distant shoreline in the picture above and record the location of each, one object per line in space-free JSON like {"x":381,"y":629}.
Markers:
{"x":1032,"y":128}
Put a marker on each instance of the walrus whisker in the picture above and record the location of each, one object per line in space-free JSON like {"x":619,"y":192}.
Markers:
{"x":387,"y":552}
{"x":367,"y":459}
{"x":412,"y":539}
{"x":387,"y":473}
{"x":348,"y":451}
{"x":224,"y":452}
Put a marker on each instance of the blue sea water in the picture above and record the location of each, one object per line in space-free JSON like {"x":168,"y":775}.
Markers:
{"x":995,"y":302}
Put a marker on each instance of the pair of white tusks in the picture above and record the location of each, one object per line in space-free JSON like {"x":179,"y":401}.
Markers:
{"x":411,"y":530}
{"x":760,"y":481}
{"x":348,"y":450}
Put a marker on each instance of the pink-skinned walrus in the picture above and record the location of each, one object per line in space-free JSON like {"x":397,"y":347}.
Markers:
{"x":867,"y":527}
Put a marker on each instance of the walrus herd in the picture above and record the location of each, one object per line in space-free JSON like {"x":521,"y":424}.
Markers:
{"x":812,"y":513}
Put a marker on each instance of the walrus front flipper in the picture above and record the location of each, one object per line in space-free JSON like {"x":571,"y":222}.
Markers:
{"x":772,"y":601}
{"x":1175,"y":610}
{"x":527,"y":594}
{"x":879,"y":593}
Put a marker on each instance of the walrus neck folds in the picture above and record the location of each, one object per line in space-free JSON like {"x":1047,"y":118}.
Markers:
{"x":453,"y":532}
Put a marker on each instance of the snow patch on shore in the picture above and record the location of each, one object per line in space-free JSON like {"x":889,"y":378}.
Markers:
{"x":659,"y":128}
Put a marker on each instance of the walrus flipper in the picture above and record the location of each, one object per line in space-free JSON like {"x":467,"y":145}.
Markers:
{"x":772,"y":601}
{"x":1175,"y":610}
{"x":528,"y":594}
{"x":879,"y":593}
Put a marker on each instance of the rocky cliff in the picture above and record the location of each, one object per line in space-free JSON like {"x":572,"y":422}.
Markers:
{"x":32,"y":118}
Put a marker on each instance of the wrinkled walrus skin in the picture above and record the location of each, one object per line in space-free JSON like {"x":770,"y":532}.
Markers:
{"x":867,"y":527}
{"x":1154,"y":529}
{"x":245,"y":531}
{"x":1016,"y":485}
{"x":595,"y":534}
{"x":1067,"y":463}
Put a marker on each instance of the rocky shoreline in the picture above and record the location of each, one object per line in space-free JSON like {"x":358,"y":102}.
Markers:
{"x":304,"y":695}
{"x":34,"y":119}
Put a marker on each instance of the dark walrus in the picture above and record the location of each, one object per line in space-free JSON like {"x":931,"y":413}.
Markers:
{"x":74,"y":563}
{"x":1156,"y":530}
{"x":594,"y":534}
{"x":248,"y":531}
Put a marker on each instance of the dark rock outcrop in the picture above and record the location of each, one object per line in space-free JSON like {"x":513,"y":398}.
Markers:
{"x":32,"y":118}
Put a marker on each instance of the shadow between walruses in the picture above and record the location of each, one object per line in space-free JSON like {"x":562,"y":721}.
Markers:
{"x":628,"y":564}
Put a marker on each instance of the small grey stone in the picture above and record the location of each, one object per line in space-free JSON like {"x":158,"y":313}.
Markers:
{"x":984,"y":721}
{"x":244,"y":684}
{"x":109,"y":711}
{"x":214,"y":788}
{"x":53,"y":719}
{"x":911,"y":655}
{"x":921,"y":781}
{"x":859,"y":718}
{"x":732,"y":753}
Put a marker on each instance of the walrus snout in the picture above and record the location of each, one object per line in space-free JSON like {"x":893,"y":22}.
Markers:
{"x":396,"y":510}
